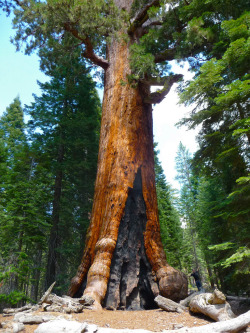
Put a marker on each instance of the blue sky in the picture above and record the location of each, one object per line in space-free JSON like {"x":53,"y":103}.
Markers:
{"x":19,"y":74}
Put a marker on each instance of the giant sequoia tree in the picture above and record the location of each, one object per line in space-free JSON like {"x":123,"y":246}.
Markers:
{"x":124,"y":264}
{"x":123,"y":259}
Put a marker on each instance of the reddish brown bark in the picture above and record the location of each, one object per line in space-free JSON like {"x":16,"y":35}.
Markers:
{"x":126,"y":148}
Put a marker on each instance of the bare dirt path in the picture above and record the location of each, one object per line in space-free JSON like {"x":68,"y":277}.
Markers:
{"x":153,"y":320}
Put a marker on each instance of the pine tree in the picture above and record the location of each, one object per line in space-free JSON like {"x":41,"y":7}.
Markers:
{"x":65,"y":133}
{"x":220,"y":95}
{"x":187,"y":207}
{"x":22,"y":228}
{"x":171,"y":231}
{"x":187,"y":195}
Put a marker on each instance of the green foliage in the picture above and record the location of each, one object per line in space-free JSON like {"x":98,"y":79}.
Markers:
{"x":95,"y":20}
{"x":220,"y":94}
{"x":174,"y":27}
{"x":171,"y":231}
{"x":23,"y":224}
{"x":64,"y":129}
{"x":223,"y":229}
{"x":237,"y":260}
{"x":221,"y":247}
{"x":221,"y":90}
{"x":67,"y":116}
{"x":241,"y":255}
{"x":141,"y":62}
{"x":14,"y":298}
{"x":187,"y":208}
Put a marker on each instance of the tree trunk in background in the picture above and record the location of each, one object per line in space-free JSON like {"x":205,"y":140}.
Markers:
{"x":210,"y":273}
{"x":36,"y":275}
{"x":124,"y":264}
{"x":53,"y":239}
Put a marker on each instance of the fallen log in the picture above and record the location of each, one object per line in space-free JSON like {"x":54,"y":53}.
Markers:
{"x":62,"y":304}
{"x":212,"y":305}
{"x":46,"y":294}
{"x":50,"y":302}
{"x":227,"y":326}
{"x":186,"y":301}
{"x":32,"y":319}
{"x":53,"y":303}
{"x":169,"y":305}
{"x":24,"y":308}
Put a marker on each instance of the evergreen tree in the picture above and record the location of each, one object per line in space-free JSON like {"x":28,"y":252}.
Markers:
{"x":220,"y":94}
{"x":211,"y":228}
{"x":224,"y":242}
{"x":187,"y":207}
{"x":22,"y":227}
{"x":171,"y":231}
{"x":65,"y":126}
{"x":187,"y":195}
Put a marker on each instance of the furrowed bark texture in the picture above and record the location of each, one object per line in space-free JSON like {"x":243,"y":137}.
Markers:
{"x":125,"y":203}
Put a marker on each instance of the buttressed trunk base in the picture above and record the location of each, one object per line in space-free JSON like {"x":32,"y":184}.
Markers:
{"x":124,"y":264}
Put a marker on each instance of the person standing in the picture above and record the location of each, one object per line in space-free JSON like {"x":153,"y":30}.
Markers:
{"x":196,"y":277}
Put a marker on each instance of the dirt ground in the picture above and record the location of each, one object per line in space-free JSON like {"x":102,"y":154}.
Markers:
{"x":153,"y":320}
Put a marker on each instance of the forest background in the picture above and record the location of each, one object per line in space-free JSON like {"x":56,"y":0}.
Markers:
{"x":48,"y":167}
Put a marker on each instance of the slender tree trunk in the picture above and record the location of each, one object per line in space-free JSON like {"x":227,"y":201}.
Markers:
{"x":53,"y":239}
{"x":210,"y":273}
{"x":36,"y":275}
{"x":193,"y":235}
{"x":124,"y":258}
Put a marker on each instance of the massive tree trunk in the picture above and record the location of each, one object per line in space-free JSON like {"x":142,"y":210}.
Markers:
{"x":124,"y":264}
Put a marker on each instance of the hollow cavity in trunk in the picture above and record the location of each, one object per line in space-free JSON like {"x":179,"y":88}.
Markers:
{"x":131,"y":284}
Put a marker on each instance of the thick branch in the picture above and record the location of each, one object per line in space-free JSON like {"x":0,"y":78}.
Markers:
{"x":142,"y":16}
{"x":89,"y":51}
{"x":166,"y":55}
{"x":158,"y":96}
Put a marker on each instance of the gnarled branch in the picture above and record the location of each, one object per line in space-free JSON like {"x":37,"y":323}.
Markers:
{"x":166,"y":82}
{"x":89,"y":51}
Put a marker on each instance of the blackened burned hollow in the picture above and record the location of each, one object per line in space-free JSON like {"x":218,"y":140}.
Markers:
{"x":131,"y":274}
{"x":131,"y":285}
